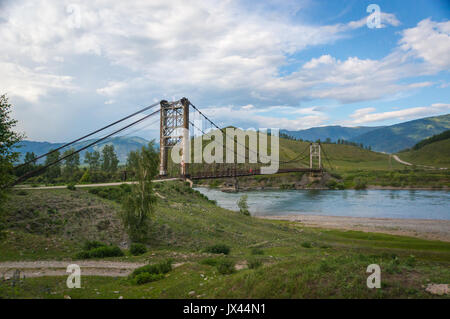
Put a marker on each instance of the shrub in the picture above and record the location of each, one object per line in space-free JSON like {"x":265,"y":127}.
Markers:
{"x":101,"y":252}
{"x":331,"y":184}
{"x":257,"y":251}
{"x":209,"y":261}
{"x":225,"y":266}
{"x":71,"y":187}
{"x":254,"y":263}
{"x":22,"y":193}
{"x":243,"y":206}
{"x":360,"y":184}
{"x":91,"y":244}
{"x":137,"y":249}
{"x":159,"y":268}
{"x":146,"y":277}
{"x":306,"y":244}
{"x":219,"y":249}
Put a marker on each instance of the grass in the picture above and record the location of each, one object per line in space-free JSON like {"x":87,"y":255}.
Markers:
{"x":436,"y":154}
{"x":284,"y":259}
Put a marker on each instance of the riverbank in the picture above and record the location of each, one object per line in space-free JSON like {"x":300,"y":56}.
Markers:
{"x":420,"y":228}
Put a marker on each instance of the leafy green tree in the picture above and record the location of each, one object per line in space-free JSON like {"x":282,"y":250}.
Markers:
{"x":8,"y":155}
{"x":71,"y":163}
{"x":243,"y":206}
{"x":93,"y":160}
{"x":138,"y":206}
{"x":110,"y":161}
{"x":53,"y":171}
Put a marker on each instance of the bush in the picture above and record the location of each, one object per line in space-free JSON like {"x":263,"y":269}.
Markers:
{"x":91,"y":244}
{"x":71,"y":187}
{"x":257,"y":251}
{"x":218,"y":249}
{"x":254,"y":263}
{"x":22,"y":193}
{"x":159,"y":268}
{"x":101,"y":252}
{"x":306,"y":244}
{"x":146,"y":277}
{"x":209,"y":261}
{"x":137,"y":249}
{"x":360,"y":184}
{"x":225,"y":267}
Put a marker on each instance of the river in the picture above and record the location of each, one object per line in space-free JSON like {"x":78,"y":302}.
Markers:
{"x":417,"y":204}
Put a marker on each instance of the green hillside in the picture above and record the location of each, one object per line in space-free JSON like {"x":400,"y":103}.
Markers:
{"x":436,"y":154}
{"x":276,"y":259}
{"x":397,"y":137}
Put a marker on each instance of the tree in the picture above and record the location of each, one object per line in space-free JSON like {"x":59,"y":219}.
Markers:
{"x":93,"y":160}
{"x":110,"y":161}
{"x":53,"y":171}
{"x":243,"y":206}
{"x":71,"y":163}
{"x":8,"y":155}
{"x":138,"y":206}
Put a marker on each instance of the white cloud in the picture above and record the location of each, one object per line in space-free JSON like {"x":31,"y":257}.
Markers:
{"x":430,"y":41}
{"x":287,"y":117}
{"x":30,"y":84}
{"x":214,"y":52}
{"x":368,"y":115}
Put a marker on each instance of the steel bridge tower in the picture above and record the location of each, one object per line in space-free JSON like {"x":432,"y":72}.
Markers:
{"x":174,"y":129}
{"x":314,"y":152}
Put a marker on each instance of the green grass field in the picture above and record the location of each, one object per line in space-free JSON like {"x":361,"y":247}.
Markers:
{"x":291,"y":261}
{"x":436,"y":154}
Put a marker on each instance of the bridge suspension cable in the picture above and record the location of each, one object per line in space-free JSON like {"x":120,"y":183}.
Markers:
{"x":88,"y":135}
{"x":40,"y":169}
{"x":246,"y":147}
{"x":326,"y":157}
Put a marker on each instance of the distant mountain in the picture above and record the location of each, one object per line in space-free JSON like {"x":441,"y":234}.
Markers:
{"x":122,"y":145}
{"x":398,"y":137}
{"x":389,"y":139}
{"x":333,"y":132}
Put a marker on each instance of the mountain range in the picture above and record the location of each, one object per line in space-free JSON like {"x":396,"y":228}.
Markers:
{"x":389,"y":139}
{"x":122,"y":146}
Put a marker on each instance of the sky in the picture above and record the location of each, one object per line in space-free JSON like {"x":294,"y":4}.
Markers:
{"x":70,"y":67}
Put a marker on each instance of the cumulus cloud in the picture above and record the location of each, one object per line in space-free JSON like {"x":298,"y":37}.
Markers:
{"x":368,"y":115}
{"x":430,"y":41}
{"x":128,"y":53}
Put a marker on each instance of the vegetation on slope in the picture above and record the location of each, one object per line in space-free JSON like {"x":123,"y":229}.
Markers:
{"x":294,"y":261}
{"x":403,"y":135}
{"x":435,"y":153}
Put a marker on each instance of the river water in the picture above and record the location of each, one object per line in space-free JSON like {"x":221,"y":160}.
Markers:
{"x":421,"y":204}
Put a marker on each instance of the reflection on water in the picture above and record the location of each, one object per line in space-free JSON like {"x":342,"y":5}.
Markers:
{"x":421,"y":204}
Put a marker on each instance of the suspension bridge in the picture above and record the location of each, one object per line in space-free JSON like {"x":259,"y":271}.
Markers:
{"x":183,"y":124}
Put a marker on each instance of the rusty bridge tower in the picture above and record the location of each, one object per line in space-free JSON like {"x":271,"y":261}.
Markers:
{"x":174,"y":129}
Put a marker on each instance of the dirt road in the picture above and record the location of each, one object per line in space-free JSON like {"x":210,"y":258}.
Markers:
{"x":58,"y":268}
{"x":93,"y":185}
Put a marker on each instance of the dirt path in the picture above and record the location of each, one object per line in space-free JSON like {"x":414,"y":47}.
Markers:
{"x":92,"y":185}
{"x":58,"y":268}
{"x":401,"y":161}
{"x":420,"y":228}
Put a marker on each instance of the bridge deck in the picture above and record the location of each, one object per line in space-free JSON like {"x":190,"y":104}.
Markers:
{"x":237,"y":173}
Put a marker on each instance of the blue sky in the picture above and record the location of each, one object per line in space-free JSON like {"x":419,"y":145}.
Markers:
{"x":70,"y":67}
